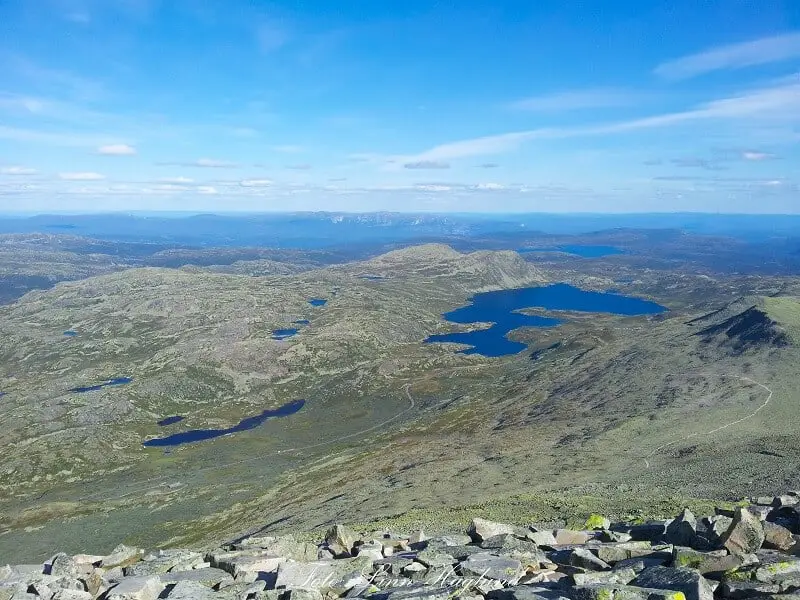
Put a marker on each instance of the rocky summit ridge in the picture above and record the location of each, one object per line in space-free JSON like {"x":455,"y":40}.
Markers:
{"x":749,"y":552}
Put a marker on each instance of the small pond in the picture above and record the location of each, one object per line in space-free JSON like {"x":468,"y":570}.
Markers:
{"x":199,"y":435}
{"x":100,"y":386}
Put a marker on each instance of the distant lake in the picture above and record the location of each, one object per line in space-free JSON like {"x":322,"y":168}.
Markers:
{"x":100,"y":386}
{"x":170,"y":421}
{"x":372,"y":277}
{"x":282,"y":334}
{"x":199,"y":435}
{"x":70,"y":333}
{"x":317,"y":302}
{"x":499,"y":308}
{"x":302,"y":322}
{"x":579,"y":250}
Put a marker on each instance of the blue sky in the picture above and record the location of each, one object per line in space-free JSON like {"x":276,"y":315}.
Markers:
{"x":211,"y":105}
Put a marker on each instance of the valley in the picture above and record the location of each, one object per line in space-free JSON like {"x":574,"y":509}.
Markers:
{"x":687,"y":394}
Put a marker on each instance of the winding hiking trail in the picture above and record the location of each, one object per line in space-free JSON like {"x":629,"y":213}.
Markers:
{"x":721,"y":427}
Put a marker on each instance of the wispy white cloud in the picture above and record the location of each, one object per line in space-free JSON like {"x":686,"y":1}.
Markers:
{"x":299,"y":167}
{"x":207,"y":190}
{"x":213,"y":164}
{"x":577,"y":100}
{"x":63,"y":82}
{"x":426,"y":164}
{"x":775,"y":104}
{"x":54,"y":138}
{"x":243,"y":132}
{"x":256,"y":182}
{"x":117,"y":150}
{"x":734,"y":56}
{"x":176,"y":180}
{"x":207,"y":163}
{"x":288,"y":148}
{"x":17,"y":170}
{"x":755,"y":155}
{"x":698,"y":163}
{"x":81,"y":176}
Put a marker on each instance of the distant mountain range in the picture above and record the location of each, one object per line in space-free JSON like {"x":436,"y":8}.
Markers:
{"x":323,"y":229}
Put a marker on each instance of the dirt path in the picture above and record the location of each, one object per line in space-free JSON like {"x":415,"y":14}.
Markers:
{"x":721,"y":427}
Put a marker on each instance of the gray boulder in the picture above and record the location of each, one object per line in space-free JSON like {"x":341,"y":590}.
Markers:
{"x":481,"y":529}
{"x":208,"y":577}
{"x":569,"y":536}
{"x":121,"y":556}
{"x":693,"y":585}
{"x":136,"y":588}
{"x":417,"y":592}
{"x":682,"y":531}
{"x":777,"y":537}
{"x":191,"y":590}
{"x":580,"y":557}
{"x":714,"y":562}
{"x":300,"y":594}
{"x":616,"y":576}
{"x":742,"y":590}
{"x":541,"y":538}
{"x":341,"y":539}
{"x":163,"y":561}
{"x":320,"y":575}
{"x":526,"y":592}
{"x":71,"y":595}
{"x":491,"y":566}
{"x":456,"y":539}
{"x":288,"y":547}
{"x":775,"y":567}
{"x":745,"y":535}
{"x":433,"y":559}
{"x":612,"y":553}
{"x":622,"y":592}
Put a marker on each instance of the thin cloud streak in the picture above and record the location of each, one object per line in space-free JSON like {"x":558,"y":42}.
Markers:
{"x":17,"y":170}
{"x":576,"y":100}
{"x":776,"y":103}
{"x":117,"y":150}
{"x":81,"y":176}
{"x":206,"y":163}
{"x":734,"y":56}
{"x":427,"y":164}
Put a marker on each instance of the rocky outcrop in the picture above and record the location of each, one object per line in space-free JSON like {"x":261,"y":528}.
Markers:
{"x":748,"y":553}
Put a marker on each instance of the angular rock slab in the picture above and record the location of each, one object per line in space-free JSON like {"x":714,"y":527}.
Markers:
{"x":693,"y":585}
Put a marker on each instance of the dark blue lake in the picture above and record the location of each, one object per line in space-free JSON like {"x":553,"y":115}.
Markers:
{"x":317,"y":302}
{"x":579,"y":250}
{"x":499,"y":308}
{"x":282,"y":334}
{"x":100,"y":386}
{"x":302,"y":322}
{"x":170,"y":421}
{"x":199,"y":435}
{"x":70,"y":333}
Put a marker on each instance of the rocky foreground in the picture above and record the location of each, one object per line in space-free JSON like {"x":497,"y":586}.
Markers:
{"x":750,"y":552}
